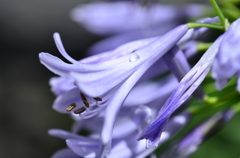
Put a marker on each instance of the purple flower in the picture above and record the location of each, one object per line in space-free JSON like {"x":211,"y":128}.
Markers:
{"x":185,"y":88}
{"x":131,"y":118}
{"x":156,"y":30}
{"x":174,"y":125}
{"x":191,"y":142}
{"x":127,"y":16}
{"x":105,"y":80}
{"x":226,"y":64}
{"x":124,"y":142}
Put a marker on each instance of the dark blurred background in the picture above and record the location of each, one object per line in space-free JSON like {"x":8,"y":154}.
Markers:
{"x":26,"y":29}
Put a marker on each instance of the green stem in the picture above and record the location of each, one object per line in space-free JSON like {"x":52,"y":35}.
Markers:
{"x":223,"y":20}
{"x":213,"y":26}
{"x":203,"y":46}
{"x":230,"y":1}
{"x":218,"y":11}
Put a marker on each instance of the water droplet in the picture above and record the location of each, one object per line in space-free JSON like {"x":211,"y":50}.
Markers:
{"x":133,"y":57}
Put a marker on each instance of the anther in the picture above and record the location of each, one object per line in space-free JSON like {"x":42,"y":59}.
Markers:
{"x":84,"y":100}
{"x":79,"y":111}
{"x":71,"y":106}
{"x":83,"y":96}
{"x":86,"y":103}
{"x":98,"y":99}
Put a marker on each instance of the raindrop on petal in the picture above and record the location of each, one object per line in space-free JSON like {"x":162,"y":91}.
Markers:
{"x":133,"y":57}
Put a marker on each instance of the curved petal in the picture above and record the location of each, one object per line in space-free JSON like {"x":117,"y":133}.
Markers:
{"x":62,"y":101}
{"x":68,"y":135}
{"x":114,"y":106}
{"x":61,"y":49}
{"x":143,"y":117}
{"x":149,"y":91}
{"x":121,"y":149}
{"x":59,"y":85}
{"x":231,"y":42}
{"x":84,"y":149}
{"x":186,"y":87}
{"x":98,"y":83}
{"x":57,"y":66}
{"x":123,"y":123}
{"x":64,"y":153}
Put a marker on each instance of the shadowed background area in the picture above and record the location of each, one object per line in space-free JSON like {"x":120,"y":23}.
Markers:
{"x":26,"y":113}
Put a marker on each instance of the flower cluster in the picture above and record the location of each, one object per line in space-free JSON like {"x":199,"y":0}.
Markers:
{"x":125,"y":93}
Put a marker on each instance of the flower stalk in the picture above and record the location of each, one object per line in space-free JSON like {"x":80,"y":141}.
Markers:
{"x":218,"y":11}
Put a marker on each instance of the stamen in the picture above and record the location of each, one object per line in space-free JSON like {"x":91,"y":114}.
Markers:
{"x":84,"y":100}
{"x":79,"y":111}
{"x":86,"y":103}
{"x":71,"y":106}
{"x":98,"y":99}
{"x":83,"y":96}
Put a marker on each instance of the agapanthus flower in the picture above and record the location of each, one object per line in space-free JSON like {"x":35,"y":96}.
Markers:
{"x":175,"y":124}
{"x":124,"y":136}
{"x":186,"y":87}
{"x":226,"y":64}
{"x":124,"y":142}
{"x":127,"y":16}
{"x":149,"y":93}
{"x":105,"y":80}
{"x":190,"y":143}
{"x":119,"y":39}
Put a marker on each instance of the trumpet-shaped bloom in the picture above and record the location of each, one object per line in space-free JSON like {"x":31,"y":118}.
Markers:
{"x":110,"y":76}
{"x":174,"y":125}
{"x":184,"y":90}
{"x":125,"y":131}
{"x":191,"y":142}
{"x":226,"y":64}
{"x":127,"y":16}
{"x":138,"y":117}
{"x":124,"y":142}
